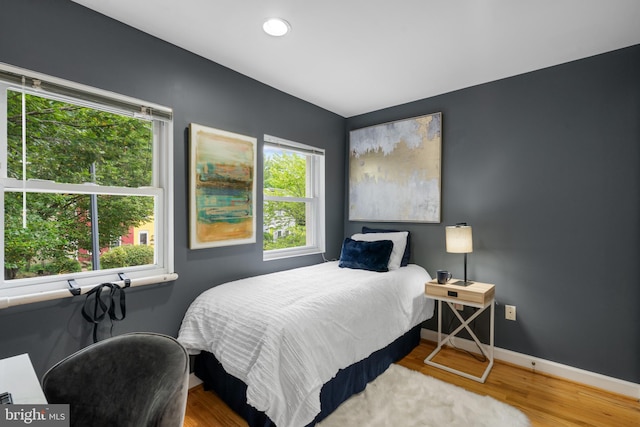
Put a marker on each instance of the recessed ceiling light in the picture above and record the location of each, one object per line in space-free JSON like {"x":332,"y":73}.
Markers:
{"x":276,"y":27}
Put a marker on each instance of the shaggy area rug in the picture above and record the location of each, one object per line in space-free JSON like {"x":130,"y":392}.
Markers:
{"x":402,"y":397}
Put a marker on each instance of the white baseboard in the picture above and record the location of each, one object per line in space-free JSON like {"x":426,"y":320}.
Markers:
{"x":582,"y":376}
{"x":194,"y":381}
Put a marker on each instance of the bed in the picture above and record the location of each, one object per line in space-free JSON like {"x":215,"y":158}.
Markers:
{"x":287,"y":348}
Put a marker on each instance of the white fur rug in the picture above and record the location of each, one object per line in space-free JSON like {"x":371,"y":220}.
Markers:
{"x":401,"y":397}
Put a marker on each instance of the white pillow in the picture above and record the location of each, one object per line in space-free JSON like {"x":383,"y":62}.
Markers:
{"x":399,"y":240}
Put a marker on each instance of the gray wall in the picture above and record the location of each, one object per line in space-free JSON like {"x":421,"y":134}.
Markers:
{"x":545,"y":167}
{"x":65,"y":40}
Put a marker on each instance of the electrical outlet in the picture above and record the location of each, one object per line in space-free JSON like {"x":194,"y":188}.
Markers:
{"x":510,"y":312}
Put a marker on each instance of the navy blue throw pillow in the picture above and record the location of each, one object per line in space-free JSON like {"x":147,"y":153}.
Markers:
{"x":373,"y":256}
{"x":407,"y":249}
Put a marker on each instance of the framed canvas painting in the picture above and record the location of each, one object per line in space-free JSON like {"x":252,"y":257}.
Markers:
{"x":222,"y":189}
{"x":394,"y":171}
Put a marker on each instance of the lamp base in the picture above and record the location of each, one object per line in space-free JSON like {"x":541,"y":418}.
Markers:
{"x":462,"y":283}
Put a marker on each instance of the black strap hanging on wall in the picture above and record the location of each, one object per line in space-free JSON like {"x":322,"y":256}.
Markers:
{"x":104,"y":303}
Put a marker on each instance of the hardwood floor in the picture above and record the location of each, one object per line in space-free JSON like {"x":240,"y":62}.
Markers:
{"x":547,"y":401}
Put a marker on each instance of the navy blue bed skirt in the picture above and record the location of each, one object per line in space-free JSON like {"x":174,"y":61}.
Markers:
{"x":346,"y":383}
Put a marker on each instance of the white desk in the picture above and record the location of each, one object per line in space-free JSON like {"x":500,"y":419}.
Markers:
{"x":18,"y":378}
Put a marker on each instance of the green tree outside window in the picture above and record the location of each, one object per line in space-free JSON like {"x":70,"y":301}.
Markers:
{"x":71,"y":144}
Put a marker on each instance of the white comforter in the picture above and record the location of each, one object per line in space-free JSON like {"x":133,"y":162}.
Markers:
{"x":285,"y":334}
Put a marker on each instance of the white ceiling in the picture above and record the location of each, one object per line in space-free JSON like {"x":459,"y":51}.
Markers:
{"x":356,"y":56}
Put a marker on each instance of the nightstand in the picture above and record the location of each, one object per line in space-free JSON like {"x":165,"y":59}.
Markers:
{"x":478,"y":295}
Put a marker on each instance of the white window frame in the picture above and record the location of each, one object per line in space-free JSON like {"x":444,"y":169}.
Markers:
{"x":22,"y":291}
{"x":315,"y":200}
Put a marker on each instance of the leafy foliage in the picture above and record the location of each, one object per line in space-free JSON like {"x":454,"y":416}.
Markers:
{"x":126,"y":256}
{"x":285,"y":176}
{"x":63,"y":265}
{"x":72,"y":144}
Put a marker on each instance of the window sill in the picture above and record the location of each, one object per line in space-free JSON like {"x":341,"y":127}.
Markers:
{"x":11,"y":297}
{"x":290,"y":253}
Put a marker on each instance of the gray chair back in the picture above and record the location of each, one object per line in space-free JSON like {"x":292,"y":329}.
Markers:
{"x":137,"y":380}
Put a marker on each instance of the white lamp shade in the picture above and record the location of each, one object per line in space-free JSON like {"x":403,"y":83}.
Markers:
{"x":459,"y":239}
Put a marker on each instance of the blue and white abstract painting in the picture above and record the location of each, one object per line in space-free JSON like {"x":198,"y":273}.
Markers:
{"x":394,"y":171}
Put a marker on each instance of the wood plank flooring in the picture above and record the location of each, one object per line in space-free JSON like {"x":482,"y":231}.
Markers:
{"x":546,"y":400}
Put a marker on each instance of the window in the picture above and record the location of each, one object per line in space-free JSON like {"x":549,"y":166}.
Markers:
{"x":293,"y":192}
{"x":144,"y":237}
{"x":79,"y":168}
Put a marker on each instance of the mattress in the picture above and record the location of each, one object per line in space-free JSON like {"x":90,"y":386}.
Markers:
{"x":288,"y":333}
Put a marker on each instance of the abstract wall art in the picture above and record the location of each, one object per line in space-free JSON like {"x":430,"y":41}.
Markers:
{"x":222,"y":188}
{"x":394,"y":171}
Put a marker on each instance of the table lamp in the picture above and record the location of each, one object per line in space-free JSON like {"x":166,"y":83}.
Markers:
{"x":459,"y":240}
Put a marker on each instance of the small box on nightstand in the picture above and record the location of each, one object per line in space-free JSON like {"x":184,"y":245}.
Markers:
{"x":476,"y":292}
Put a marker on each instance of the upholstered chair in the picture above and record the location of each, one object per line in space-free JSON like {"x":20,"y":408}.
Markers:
{"x":136,"y":379}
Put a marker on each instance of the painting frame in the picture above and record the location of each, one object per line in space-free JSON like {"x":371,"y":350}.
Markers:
{"x":395,"y":171}
{"x":222,"y":187}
